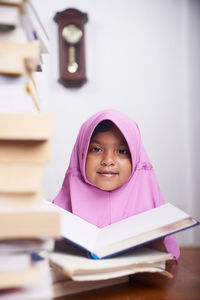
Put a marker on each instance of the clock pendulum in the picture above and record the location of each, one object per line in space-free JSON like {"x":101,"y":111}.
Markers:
{"x":72,"y":34}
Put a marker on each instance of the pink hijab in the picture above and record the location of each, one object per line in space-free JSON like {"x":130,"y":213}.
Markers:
{"x":101,"y":208}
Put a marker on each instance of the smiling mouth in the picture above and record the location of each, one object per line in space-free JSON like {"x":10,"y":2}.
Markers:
{"x":108,"y":173}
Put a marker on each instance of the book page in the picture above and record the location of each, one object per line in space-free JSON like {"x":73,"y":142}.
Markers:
{"x":76,"y":229}
{"x":137,"y":260}
{"x":139,"y":224}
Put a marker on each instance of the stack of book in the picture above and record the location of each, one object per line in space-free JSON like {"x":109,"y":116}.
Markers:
{"x":27,"y":227}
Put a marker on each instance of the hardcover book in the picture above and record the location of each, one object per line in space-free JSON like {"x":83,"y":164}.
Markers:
{"x":125,"y":234}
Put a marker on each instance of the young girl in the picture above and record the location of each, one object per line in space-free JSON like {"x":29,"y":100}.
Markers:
{"x":110,"y":177}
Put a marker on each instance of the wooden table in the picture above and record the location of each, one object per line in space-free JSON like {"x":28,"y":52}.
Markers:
{"x":184,"y":285}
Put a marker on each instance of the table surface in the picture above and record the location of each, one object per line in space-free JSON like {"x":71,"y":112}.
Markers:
{"x":185,"y":283}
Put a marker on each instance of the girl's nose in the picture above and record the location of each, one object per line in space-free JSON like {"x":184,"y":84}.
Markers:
{"x":108,"y":159}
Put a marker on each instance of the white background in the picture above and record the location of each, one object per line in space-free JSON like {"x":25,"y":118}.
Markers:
{"x":142,"y":58}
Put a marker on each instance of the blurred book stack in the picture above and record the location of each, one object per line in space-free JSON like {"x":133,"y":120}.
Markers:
{"x":27,"y":227}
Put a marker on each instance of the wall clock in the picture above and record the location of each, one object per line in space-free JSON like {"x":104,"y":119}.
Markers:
{"x":71,"y":47}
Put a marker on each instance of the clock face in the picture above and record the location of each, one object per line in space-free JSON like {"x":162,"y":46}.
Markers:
{"x":72,"y":34}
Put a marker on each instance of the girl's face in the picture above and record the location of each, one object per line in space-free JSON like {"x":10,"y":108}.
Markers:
{"x":108,"y":163}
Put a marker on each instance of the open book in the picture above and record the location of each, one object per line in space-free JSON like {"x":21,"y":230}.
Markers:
{"x":125,"y":234}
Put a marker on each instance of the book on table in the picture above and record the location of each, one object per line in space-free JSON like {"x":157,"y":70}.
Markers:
{"x":63,"y":285}
{"x":74,"y":272}
{"x":79,"y":267}
{"x":125,"y":234}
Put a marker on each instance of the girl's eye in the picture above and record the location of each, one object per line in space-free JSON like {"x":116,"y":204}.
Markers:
{"x":95,"y":149}
{"x":123,"y":151}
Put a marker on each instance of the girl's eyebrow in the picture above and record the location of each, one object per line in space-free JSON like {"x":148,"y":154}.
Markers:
{"x":99,"y":143}
{"x":95,"y":141}
{"x":123,"y":144}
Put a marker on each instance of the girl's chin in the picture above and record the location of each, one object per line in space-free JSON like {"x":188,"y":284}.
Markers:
{"x":107,"y":187}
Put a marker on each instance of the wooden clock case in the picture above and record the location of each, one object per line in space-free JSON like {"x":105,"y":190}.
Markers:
{"x":64,"y":18}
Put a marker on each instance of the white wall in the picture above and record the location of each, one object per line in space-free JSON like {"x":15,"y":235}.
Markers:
{"x":193,"y":103}
{"x":141,"y":59}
